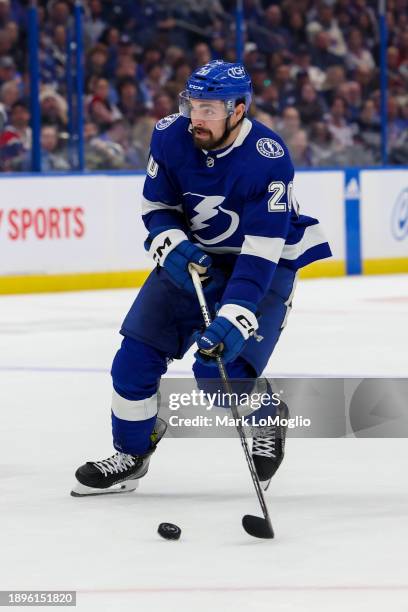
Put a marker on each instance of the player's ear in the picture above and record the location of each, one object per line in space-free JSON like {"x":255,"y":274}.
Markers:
{"x":239,"y":111}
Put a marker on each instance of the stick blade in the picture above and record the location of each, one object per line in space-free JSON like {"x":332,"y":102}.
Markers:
{"x":257,"y":527}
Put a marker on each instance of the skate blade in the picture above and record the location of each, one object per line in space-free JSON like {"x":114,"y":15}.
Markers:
{"x":265,"y":484}
{"x":81,"y":490}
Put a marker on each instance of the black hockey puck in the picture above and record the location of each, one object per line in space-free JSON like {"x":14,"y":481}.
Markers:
{"x":169,"y":531}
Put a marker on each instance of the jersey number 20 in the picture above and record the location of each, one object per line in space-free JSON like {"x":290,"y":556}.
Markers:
{"x":278,"y":190}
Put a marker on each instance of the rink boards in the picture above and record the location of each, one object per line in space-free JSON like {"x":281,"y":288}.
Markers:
{"x":74,"y":231}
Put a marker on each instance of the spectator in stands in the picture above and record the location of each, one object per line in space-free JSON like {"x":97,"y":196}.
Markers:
{"x":289,"y":124}
{"x":173,"y":56}
{"x":163,"y":105}
{"x":13,"y":35}
{"x":369,"y":129}
{"x":58,"y":52}
{"x":100,"y":109}
{"x":219,"y":46}
{"x":123,"y":151}
{"x":398,"y":150}
{"x":201,"y":54}
{"x":322,"y":57}
{"x":309,"y":105}
{"x":94,"y":24}
{"x":15,"y":140}
{"x":367,"y":79}
{"x":52,"y":158}
{"x":271,"y":35}
{"x":350,"y":91}
{"x":54,"y":110}
{"x":260,"y":78}
{"x":367,"y":23}
{"x":285,"y":86}
{"x":182,"y":71}
{"x":8,"y":71}
{"x":300,"y":150}
{"x":326,"y":22}
{"x":268,"y":100}
{"x":151,"y":56}
{"x":126,"y":67}
{"x":97,"y":61}
{"x":130,"y":102}
{"x":265,"y":118}
{"x":321,"y":145}
{"x":140,"y":136}
{"x":396,"y":123}
{"x":302,"y":62}
{"x":59,"y":13}
{"x":297,"y":30}
{"x":338,"y":127}
{"x":102,"y":152}
{"x":152,"y":84}
{"x":397,"y":75}
{"x":9,"y":94}
{"x":335,"y":76}
{"x":95,"y":157}
{"x":357,"y":55}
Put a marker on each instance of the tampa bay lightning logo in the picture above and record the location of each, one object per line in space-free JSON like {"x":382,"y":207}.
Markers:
{"x":399,"y":222}
{"x":269,"y":148}
{"x":166,"y":121}
{"x":207,"y":208}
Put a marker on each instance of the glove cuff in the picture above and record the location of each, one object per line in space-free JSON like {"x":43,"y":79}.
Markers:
{"x":242,"y":318}
{"x":164,"y":243}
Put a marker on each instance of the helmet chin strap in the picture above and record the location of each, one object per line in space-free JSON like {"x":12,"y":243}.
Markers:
{"x":227,"y":131}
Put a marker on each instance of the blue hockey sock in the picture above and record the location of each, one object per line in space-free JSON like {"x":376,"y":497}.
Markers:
{"x":132,"y":437}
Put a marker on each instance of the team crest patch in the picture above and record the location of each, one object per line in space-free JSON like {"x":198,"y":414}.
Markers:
{"x":166,"y":121}
{"x":269,"y":148}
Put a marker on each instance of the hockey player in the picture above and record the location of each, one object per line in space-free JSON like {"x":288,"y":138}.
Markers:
{"x":219,"y":195}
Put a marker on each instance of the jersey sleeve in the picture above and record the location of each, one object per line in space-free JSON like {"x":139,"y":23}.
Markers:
{"x":161,"y":201}
{"x":265,"y":223}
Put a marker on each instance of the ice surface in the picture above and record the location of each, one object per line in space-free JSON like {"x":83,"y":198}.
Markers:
{"x":339,"y":506}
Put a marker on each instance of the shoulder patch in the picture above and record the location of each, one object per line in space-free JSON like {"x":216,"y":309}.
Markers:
{"x":166,"y":121}
{"x":269,"y":148}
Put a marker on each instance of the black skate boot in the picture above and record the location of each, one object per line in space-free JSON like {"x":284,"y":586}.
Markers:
{"x":117,"y":474}
{"x":268,"y":447}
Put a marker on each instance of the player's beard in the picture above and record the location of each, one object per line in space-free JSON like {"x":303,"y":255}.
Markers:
{"x":211,"y":143}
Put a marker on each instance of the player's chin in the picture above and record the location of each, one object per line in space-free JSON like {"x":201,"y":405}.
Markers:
{"x":203,"y":143}
{"x":202,"y":139}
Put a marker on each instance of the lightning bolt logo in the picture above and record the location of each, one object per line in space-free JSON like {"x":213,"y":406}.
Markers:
{"x":209,"y":207}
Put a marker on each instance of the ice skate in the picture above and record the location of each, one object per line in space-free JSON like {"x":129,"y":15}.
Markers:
{"x":117,"y":474}
{"x":268,"y":447}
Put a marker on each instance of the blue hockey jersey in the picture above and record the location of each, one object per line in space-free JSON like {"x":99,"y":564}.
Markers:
{"x":236,"y":203}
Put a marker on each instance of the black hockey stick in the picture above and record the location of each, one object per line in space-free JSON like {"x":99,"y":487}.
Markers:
{"x":254,"y":525}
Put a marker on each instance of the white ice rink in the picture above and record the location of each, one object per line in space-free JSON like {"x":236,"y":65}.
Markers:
{"x":339,"y":506}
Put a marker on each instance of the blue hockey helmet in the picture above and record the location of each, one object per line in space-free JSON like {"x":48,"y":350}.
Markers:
{"x":217,"y":80}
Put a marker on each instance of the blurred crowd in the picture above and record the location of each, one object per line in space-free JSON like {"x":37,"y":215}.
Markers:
{"x":314,"y":65}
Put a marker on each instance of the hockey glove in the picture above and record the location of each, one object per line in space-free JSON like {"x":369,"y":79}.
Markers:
{"x":227,"y":334}
{"x":172,"y":251}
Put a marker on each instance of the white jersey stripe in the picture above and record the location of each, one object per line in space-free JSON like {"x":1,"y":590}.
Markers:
{"x":261,"y":246}
{"x":149,"y":206}
{"x":312,"y":237}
